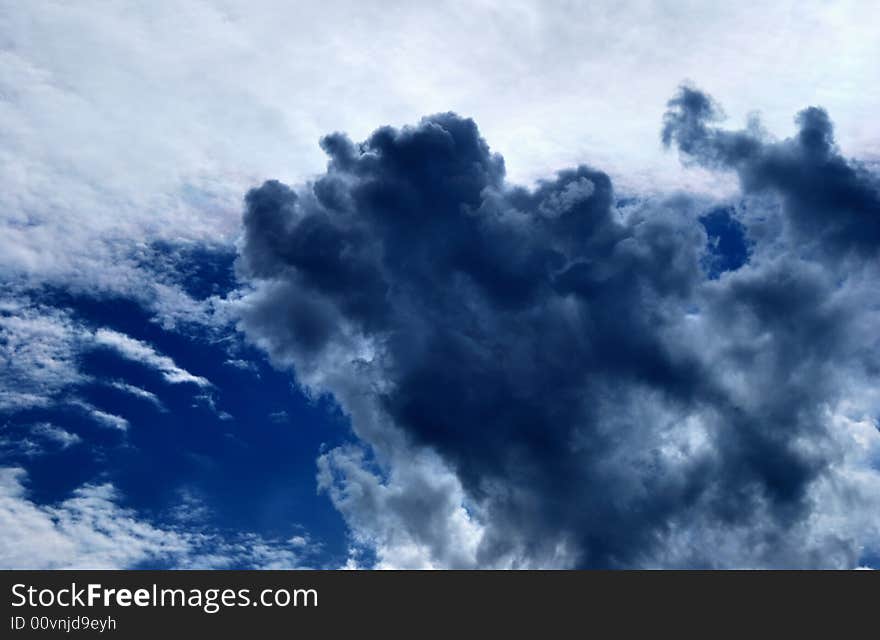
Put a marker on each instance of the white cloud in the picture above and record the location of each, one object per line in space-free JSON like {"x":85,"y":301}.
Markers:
{"x":142,"y":352}
{"x":38,"y":354}
{"x":207,"y":400}
{"x":248,"y":550}
{"x":381,"y":514}
{"x":61,"y":437}
{"x":91,"y":530}
{"x":137,"y":392}
{"x":244,"y":365}
{"x":22,"y":446}
{"x":40,"y":348}
{"x":101,"y":417}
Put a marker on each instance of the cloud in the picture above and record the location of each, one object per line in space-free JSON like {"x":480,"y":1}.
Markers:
{"x":252,"y":551}
{"x":38,"y":354}
{"x":141,"y":352}
{"x":414,"y":519}
{"x":32,"y":440}
{"x":87,"y":530}
{"x":208,"y":401}
{"x":551,"y":379}
{"x":830,"y":203}
{"x":20,"y":446}
{"x":137,"y":392}
{"x":243,"y":365}
{"x":103,"y":418}
{"x":61,"y":437}
{"x":91,"y":530}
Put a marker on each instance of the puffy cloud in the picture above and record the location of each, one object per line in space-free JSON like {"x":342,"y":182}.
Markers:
{"x":549,"y":378}
{"x":32,"y":440}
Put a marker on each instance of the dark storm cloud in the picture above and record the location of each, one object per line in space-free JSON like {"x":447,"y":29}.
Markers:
{"x":575,"y":365}
{"x":828,"y":200}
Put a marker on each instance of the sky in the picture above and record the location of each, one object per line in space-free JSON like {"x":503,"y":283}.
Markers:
{"x":439,"y":285}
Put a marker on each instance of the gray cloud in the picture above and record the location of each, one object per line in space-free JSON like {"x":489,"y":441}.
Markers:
{"x":831,"y":204}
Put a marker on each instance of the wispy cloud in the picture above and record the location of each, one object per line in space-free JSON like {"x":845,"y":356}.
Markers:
{"x":56,"y":434}
{"x":138,"y":392}
{"x":208,"y":400}
{"x":141,"y":352}
{"x":103,"y":418}
{"x":39,"y":346}
{"x":35,"y":439}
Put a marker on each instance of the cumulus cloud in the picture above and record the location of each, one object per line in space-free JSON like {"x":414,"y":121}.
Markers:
{"x":550,"y":378}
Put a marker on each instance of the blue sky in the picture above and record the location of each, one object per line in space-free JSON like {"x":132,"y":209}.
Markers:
{"x":231,"y":452}
{"x":439,"y":285}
